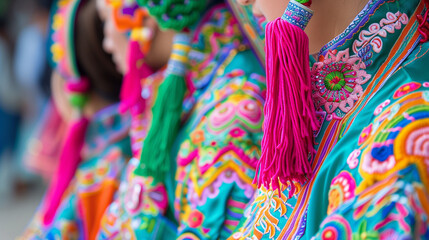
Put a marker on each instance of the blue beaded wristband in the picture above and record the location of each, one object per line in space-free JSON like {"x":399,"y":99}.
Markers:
{"x":297,"y":14}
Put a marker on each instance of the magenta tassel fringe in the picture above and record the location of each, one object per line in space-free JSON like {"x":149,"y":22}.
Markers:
{"x":69,"y":161}
{"x":131,"y":98}
{"x":290,"y":119}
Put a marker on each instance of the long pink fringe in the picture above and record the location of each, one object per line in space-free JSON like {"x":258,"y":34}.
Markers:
{"x":290,"y":119}
{"x":131,"y":98}
{"x":69,"y":161}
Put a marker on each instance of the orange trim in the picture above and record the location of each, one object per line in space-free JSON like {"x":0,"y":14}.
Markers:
{"x":93,"y":205}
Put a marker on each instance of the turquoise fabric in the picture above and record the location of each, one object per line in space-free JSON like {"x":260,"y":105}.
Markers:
{"x":371,"y":170}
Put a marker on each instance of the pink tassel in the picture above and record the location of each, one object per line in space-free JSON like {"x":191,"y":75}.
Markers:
{"x":69,"y":161}
{"x":131,"y":98}
{"x":290,"y":119}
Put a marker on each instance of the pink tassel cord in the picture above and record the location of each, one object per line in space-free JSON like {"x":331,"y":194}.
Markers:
{"x":69,"y":161}
{"x":290,"y":118}
{"x":131,"y":98}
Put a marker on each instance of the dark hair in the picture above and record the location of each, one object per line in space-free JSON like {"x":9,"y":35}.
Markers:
{"x":4,"y":13}
{"x":93,"y":62}
{"x":45,"y":4}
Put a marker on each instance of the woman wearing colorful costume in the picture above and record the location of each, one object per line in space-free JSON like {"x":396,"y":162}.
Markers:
{"x":207,"y":120}
{"x":149,"y":47}
{"x":86,"y":87}
{"x":350,"y":158}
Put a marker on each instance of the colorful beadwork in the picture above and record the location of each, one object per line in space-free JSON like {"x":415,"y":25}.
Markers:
{"x":297,"y":14}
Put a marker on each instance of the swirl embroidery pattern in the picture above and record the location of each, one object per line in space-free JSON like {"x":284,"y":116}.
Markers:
{"x":372,"y":36}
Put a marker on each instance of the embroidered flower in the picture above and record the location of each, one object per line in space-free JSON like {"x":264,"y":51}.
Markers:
{"x":197,"y":136}
{"x":342,"y":189}
{"x":195,"y":219}
{"x":237,"y":132}
{"x":337,"y":82}
{"x":405,"y":89}
{"x":335,"y":227}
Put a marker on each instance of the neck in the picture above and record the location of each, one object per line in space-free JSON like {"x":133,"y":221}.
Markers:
{"x":331,"y":18}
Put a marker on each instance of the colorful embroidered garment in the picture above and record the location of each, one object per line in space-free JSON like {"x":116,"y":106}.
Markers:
{"x":371,"y":170}
{"x":220,"y":143}
{"x":216,"y":150}
{"x":106,"y":151}
{"x":140,"y":201}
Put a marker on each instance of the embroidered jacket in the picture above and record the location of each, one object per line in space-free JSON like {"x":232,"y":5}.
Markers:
{"x":371,"y":170}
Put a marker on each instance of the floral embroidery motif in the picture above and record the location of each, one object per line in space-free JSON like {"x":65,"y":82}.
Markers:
{"x":195,"y":219}
{"x":342,"y":189}
{"x":400,"y":138}
{"x":405,"y":89}
{"x":392,"y":22}
{"x":336,"y":227}
{"x":337,"y":82}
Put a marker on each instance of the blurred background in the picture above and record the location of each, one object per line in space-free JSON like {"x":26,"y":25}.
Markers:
{"x":26,"y":114}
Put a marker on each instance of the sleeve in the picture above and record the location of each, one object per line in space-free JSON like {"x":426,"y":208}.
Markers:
{"x":395,"y":208}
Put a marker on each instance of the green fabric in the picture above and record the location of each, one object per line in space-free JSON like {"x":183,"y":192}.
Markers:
{"x":155,"y":158}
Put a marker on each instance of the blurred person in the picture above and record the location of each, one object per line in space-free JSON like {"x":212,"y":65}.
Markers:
{"x":44,"y":145}
{"x":30,"y":58}
{"x":205,"y":132}
{"x":142,"y":62}
{"x":86,"y":88}
{"x":30,"y":67}
{"x":9,"y":97}
{"x":148,"y":47}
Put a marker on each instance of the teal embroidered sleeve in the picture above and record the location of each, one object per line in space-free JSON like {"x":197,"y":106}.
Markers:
{"x":395,"y":208}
